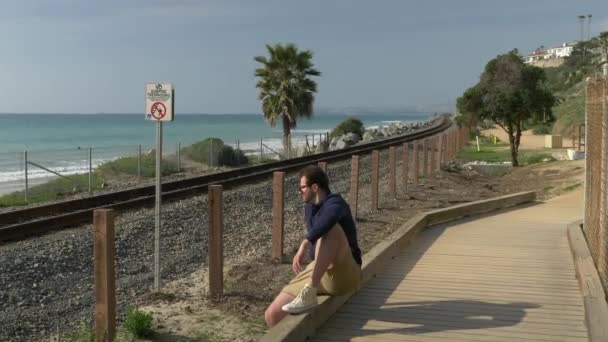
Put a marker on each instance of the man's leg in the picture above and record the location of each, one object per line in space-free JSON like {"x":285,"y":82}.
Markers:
{"x":330,"y":247}
{"x":274,"y":313}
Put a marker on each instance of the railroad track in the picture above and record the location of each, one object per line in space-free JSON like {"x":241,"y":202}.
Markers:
{"x":20,"y":224}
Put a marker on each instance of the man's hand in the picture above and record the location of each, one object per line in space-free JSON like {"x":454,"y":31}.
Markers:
{"x":299,"y":257}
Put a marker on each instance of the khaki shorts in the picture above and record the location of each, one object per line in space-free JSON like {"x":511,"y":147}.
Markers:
{"x":340,"y":278}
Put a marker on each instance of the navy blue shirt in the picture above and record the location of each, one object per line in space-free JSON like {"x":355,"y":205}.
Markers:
{"x":322,"y":217}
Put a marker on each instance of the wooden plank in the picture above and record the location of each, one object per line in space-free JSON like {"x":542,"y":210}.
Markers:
{"x":278,"y":220}
{"x":105,"y":277}
{"x":407,"y":285}
{"x":375,"y":179}
{"x":354,"y":185}
{"x":515,"y":270}
{"x":437,"y":329}
{"x":475,"y":273}
{"x":531,"y":283}
{"x":548,"y":309}
{"x":457,"y":283}
{"x":538,"y":315}
{"x":402,"y":293}
{"x":431,"y":325}
{"x":216,"y":241}
{"x":392,"y":316}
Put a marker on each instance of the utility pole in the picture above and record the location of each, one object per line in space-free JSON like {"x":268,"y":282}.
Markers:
{"x":581,"y":20}
{"x":589,"y":26}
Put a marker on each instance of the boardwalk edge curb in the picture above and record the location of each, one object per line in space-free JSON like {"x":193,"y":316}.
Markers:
{"x":594,"y":298}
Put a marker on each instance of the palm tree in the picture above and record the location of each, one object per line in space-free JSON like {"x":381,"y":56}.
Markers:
{"x":286,"y":88}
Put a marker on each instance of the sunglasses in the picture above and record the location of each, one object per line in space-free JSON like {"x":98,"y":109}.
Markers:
{"x":303,"y":187}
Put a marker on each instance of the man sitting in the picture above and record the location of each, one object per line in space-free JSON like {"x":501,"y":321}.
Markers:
{"x":331,"y":241}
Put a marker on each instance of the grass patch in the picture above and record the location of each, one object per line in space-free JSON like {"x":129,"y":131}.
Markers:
{"x":572,"y":187}
{"x":52,"y":190}
{"x":138,"y":323}
{"x":501,"y":153}
{"x":128,"y":166}
{"x":84,"y":333}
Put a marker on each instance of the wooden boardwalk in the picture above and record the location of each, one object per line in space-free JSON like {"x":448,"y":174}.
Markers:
{"x":507,"y":276}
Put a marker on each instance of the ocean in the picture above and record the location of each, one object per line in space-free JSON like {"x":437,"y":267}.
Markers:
{"x":60,"y":142}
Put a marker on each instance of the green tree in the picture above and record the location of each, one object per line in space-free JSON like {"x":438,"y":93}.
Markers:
{"x":601,"y":42}
{"x":286,"y":88}
{"x":350,"y":125}
{"x":514,"y":95}
{"x":469,"y":105}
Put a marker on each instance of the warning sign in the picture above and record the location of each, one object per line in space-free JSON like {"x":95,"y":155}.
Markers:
{"x":159,"y":101}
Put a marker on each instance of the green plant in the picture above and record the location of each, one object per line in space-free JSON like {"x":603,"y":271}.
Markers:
{"x":350,"y":125}
{"x":537,"y":158}
{"x":511,"y":94}
{"x":138,"y":323}
{"x":212,"y":151}
{"x":231,"y":157}
{"x":542,"y":129}
{"x":53,"y":189}
{"x":129,"y":165}
{"x":84,"y":333}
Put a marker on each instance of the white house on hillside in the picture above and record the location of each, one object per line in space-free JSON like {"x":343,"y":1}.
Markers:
{"x":555,"y":52}
{"x":561,"y":51}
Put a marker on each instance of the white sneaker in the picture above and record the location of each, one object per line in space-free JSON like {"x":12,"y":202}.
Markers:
{"x":306,"y":300}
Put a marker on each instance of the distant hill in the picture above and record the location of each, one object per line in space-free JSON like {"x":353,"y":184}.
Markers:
{"x":567,"y":82}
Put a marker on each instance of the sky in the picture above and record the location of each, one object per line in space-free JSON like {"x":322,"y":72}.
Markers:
{"x":75,"y":56}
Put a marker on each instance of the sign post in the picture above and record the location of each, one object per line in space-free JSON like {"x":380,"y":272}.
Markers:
{"x":159,"y":108}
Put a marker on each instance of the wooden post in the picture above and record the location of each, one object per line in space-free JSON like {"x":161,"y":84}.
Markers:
{"x":392,"y":165}
{"x":354,"y":185}
{"x":323,"y":166}
{"x":405,"y":165}
{"x":278,"y":200}
{"x":216,"y":242}
{"x":375,"y":178}
{"x":425,"y":156}
{"x":433,"y":144}
{"x":416,"y":169}
{"x":437,"y":153}
{"x":443,"y":149}
{"x":452,"y":143}
{"x":105,"y":282}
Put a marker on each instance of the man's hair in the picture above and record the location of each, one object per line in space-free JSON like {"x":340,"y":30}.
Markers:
{"x":315,"y":175}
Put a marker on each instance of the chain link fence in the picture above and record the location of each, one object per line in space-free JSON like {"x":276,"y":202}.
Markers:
{"x":595,"y":225}
{"x":37,"y":176}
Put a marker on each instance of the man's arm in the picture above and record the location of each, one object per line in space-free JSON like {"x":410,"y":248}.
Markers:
{"x":332,"y":212}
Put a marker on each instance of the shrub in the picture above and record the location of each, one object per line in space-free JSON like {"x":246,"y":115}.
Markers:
{"x":542,"y":129}
{"x":138,"y":323}
{"x":350,"y":125}
{"x":128,"y":166}
{"x":53,"y":189}
{"x":84,"y":333}
{"x":212,"y":151}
